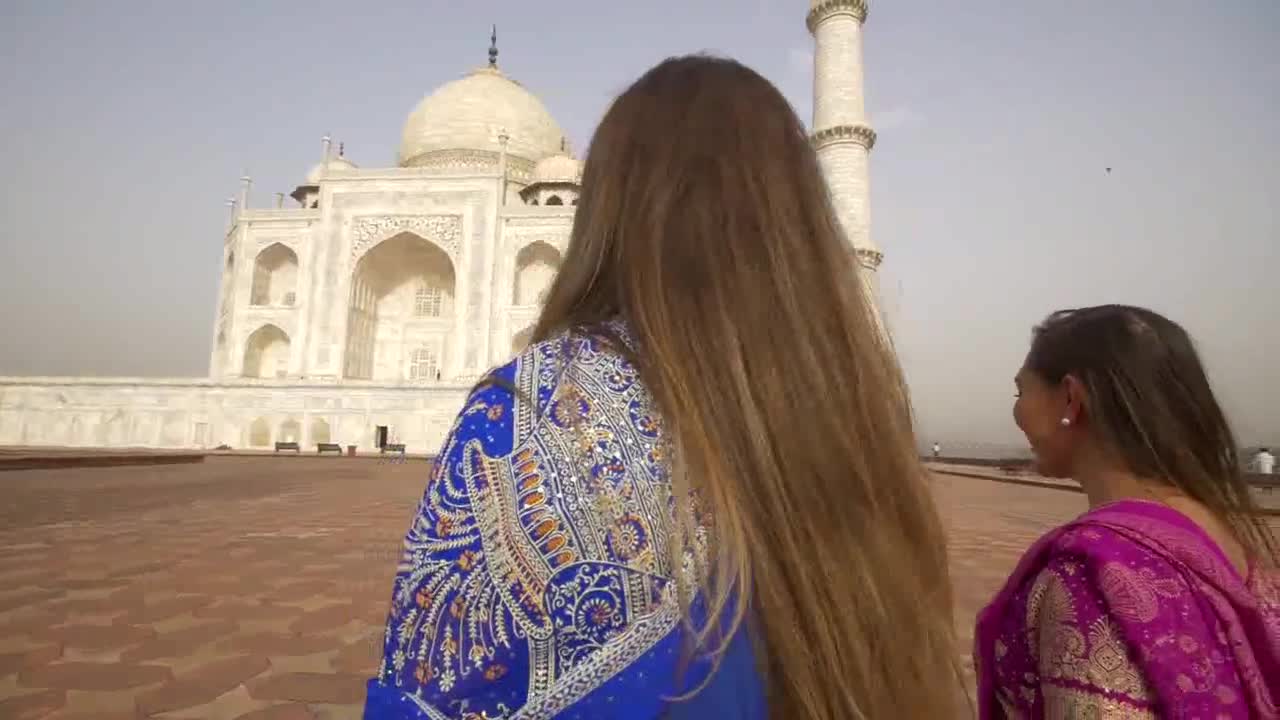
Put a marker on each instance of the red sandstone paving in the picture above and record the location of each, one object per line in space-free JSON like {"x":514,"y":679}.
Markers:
{"x":180,"y":642}
{"x":32,"y":706}
{"x":164,"y":609}
{"x":360,"y":657}
{"x":280,"y":644}
{"x":312,"y":688}
{"x":96,"y":637}
{"x":67,"y":714}
{"x":327,"y":618}
{"x":290,"y":711}
{"x":201,"y":685}
{"x":13,"y":662}
{"x":193,"y":577}
{"x":91,"y":676}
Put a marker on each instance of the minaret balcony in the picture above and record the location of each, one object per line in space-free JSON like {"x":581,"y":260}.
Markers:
{"x":840,"y":134}
{"x":827,"y":8}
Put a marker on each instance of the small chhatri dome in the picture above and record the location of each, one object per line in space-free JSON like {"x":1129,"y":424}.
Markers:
{"x":559,"y":168}
{"x":471,"y":112}
{"x":338,"y":162}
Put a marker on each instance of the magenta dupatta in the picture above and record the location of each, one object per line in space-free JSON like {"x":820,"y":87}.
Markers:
{"x":1131,"y":610}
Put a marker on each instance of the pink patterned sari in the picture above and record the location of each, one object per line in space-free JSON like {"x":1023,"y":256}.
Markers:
{"x":1130,"y":611}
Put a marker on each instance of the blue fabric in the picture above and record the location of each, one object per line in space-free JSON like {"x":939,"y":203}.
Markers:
{"x":535,"y":580}
{"x":644,"y":691}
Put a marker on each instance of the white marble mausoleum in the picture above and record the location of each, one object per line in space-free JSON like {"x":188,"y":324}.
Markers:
{"x":364,"y":312}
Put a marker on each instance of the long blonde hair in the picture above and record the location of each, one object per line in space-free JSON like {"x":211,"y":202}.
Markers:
{"x":704,"y":223}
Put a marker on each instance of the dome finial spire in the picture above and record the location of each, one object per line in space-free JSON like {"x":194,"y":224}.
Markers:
{"x":493,"y":48}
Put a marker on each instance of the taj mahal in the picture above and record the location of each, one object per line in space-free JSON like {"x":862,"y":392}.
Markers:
{"x":363,"y":313}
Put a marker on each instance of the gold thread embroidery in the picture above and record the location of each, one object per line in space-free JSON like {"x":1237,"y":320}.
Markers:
{"x":1061,"y":703}
{"x":1127,"y":595}
{"x":1099,"y":659}
{"x":1109,"y":667}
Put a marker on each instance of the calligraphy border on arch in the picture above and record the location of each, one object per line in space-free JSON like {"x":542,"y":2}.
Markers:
{"x":445,"y":231}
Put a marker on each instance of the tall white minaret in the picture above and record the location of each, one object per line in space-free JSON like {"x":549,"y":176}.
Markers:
{"x":841,"y":135}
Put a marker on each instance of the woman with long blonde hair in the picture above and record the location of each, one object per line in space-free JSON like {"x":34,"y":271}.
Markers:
{"x":698,"y":491}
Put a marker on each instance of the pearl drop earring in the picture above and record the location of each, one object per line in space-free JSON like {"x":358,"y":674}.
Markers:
{"x":1066,"y":422}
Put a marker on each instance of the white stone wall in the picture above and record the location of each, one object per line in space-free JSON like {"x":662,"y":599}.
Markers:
{"x":523,"y":226}
{"x":201,"y":414}
{"x":837,"y":72}
{"x":358,"y":210}
{"x":237,"y":318}
{"x":845,"y":166}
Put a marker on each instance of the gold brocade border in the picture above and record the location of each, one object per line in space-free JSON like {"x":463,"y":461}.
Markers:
{"x":1062,"y":703}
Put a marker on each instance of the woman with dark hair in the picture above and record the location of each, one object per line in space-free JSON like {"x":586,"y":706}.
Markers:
{"x":697,"y":492}
{"x":1163,"y":599}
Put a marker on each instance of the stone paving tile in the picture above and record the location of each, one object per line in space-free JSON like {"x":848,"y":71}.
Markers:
{"x":331,"y":688}
{"x":83,"y":705}
{"x":321,"y":662}
{"x":179,"y":642}
{"x":12,"y":662}
{"x":25,"y":574}
{"x":326,"y":618}
{"x":163,"y":567}
{"x":226,"y":706}
{"x":277,"y":643}
{"x":96,"y":637}
{"x":240,"y":609}
{"x":92,"y":676}
{"x":289,"y":592}
{"x":93,"y":714}
{"x":289,"y":711}
{"x":360,"y":657}
{"x":32,"y":706}
{"x":338,"y":712}
{"x":202,"y":685}
{"x":151,"y":612}
{"x":27,"y":596}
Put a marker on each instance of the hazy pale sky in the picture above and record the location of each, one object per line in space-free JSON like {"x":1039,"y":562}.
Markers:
{"x":125,"y":126}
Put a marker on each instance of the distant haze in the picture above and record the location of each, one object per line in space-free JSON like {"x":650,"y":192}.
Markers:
{"x":125,"y":126}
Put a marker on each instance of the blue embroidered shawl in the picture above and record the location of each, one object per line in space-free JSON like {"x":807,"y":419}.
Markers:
{"x":536,"y":578}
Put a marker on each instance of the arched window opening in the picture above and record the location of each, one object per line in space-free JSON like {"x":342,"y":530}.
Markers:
{"x":260,"y":433}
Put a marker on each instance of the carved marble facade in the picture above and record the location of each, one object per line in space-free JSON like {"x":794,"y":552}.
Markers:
{"x":284,"y":332}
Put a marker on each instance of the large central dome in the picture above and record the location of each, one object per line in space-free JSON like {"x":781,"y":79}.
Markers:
{"x":472,"y":112}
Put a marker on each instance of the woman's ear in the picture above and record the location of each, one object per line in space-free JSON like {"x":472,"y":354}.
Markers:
{"x":1074,"y":400}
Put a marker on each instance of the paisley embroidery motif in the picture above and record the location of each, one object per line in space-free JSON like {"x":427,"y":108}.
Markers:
{"x":1108,"y":666}
{"x":1129,"y":597}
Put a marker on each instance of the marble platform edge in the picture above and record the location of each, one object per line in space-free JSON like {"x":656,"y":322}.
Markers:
{"x":33,"y":459}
